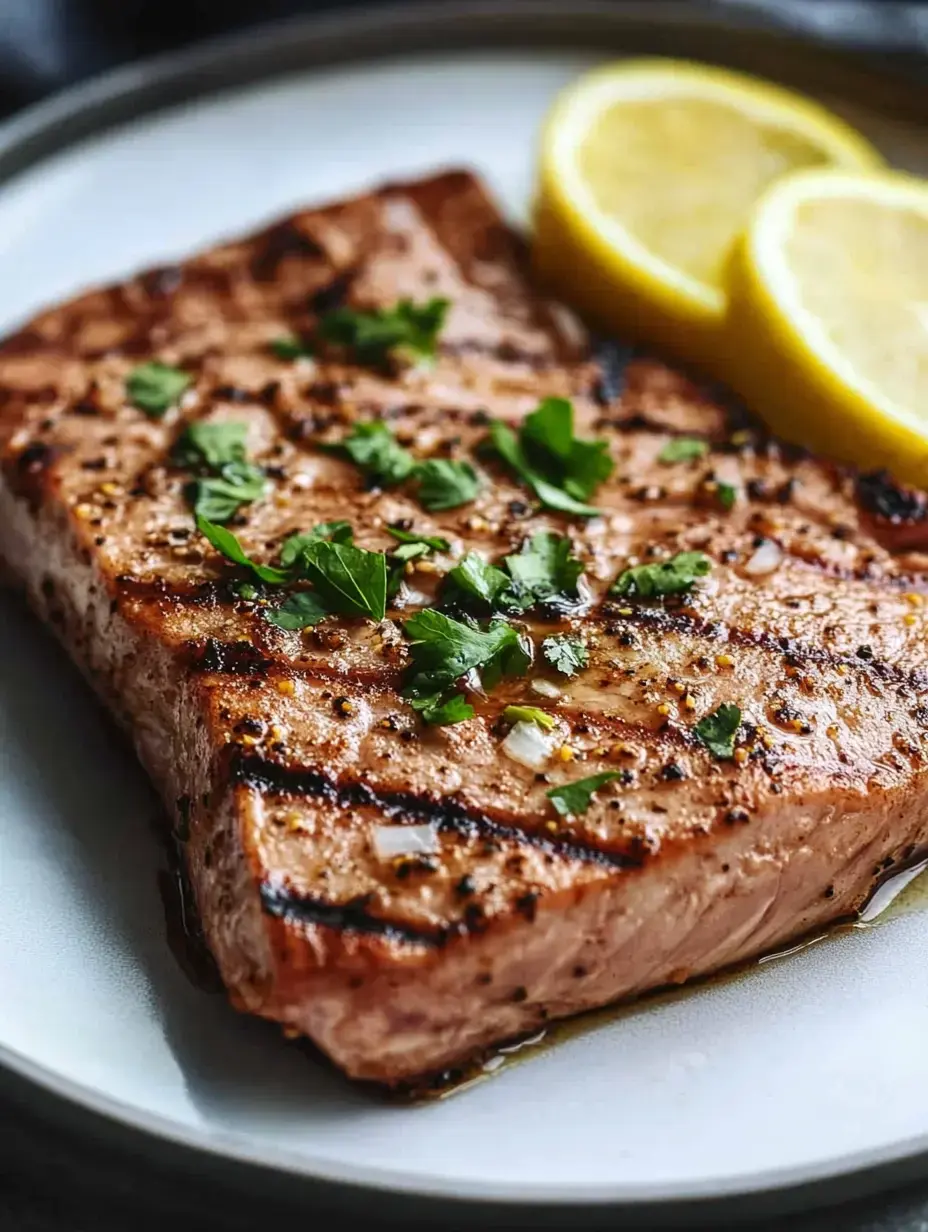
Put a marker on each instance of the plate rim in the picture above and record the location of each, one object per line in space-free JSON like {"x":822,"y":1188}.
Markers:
{"x":125,"y":94}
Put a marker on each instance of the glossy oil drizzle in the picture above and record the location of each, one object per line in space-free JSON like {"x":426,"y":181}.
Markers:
{"x":903,"y":893}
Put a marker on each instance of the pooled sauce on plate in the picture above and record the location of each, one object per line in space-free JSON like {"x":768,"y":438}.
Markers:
{"x":905,"y":891}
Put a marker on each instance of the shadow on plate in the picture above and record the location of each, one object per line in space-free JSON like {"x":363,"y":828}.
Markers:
{"x":96,"y":805}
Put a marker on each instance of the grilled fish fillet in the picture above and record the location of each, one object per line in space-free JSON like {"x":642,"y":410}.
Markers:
{"x":280,"y":754}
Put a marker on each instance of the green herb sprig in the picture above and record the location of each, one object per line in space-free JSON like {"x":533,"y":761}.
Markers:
{"x":675,"y":576}
{"x":572,"y":799}
{"x":347,"y":580}
{"x":718,"y":731}
{"x":155,"y":387}
{"x":567,"y":655}
{"x":443,"y":650}
{"x":407,"y":331}
{"x":226,"y":480}
{"x":562,"y":470}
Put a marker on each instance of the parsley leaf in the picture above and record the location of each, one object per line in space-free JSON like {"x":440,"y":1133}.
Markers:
{"x":726,"y":494}
{"x":443,"y":650}
{"x":217,"y":500}
{"x":544,"y":568}
{"x":574,"y":798}
{"x":567,"y":655}
{"x":683,"y":449}
{"x":290,"y":347}
{"x":561,"y":470}
{"x":301,"y":610}
{"x":409,"y":551}
{"x":669,"y":577}
{"x":575,"y":465}
{"x":434,"y":543}
{"x":374,"y":449}
{"x":434,"y":711}
{"x":719,"y":730}
{"x":407,"y":330}
{"x":478,"y":579}
{"x":349,"y":580}
{"x":155,"y":387}
{"x":292,"y":547}
{"x":227,"y":480}
{"x":445,"y":484}
{"x":530,"y":714}
{"x":411,"y":547}
{"x":211,"y":444}
{"x":225,"y":542}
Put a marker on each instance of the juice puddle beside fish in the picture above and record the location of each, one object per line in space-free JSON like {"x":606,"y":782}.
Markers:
{"x":903,"y":893}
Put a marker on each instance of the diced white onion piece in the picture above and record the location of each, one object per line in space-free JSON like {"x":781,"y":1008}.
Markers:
{"x":393,"y":841}
{"x":528,"y":745}
{"x":407,"y":597}
{"x":546,"y":688}
{"x":473,"y":683}
{"x":765,"y":559}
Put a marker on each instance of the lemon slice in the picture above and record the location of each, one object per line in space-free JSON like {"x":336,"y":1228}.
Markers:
{"x":649,"y":169}
{"x":827,"y":332}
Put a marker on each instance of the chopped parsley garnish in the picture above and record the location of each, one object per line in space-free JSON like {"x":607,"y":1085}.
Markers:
{"x":567,"y":655}
{"x":719,"y":730}
{"x":726,"y":494}
{"x":211,"y":444}
{"x":346,"y":579}
{"x":374,"y":449}
{"x":545,"y":567}
{"x":457,"y":709}
{"x":409,"y":551}
{"x":443,"y":650}
{"x":442,"y":482}
{"x":411,"y":547}
{"x":670,"y":577}
{"x":476,"y":578}
{"x":543,"y":570}
{"x":434,"y":543}
{"x":155,"y":387}
{"x":574,"y":798}
{"x":445,"y":484}
{"x":226,"y":480}
{"x":290,"y":347}
{"x":225,"y":542}
{"x":407,"y":331}
{"x":683,"y":449}
{"x":562,"y":470}
{"x":300,"y":610}
{"x":530,"y":714}
{"x":292,"y":547}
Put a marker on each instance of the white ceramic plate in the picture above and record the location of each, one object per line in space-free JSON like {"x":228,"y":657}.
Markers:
{"x":806,"y":1067}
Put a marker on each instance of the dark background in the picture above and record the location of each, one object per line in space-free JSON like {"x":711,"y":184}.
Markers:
{"x":59,"y":1181}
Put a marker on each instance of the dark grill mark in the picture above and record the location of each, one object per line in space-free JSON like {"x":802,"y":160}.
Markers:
{"x":351,"y":917}
{"x":162,"y":281}
{"x":448,"y":816}
{"x":196,"y":594}
{"x":280,"y":242}
{"x":333,"y":294}
{"x":612,"y":359}
{"x":28,"y":470}
{"x":666,"y":620}
{"x":880,"y":494}
{"x":229,"y":658}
